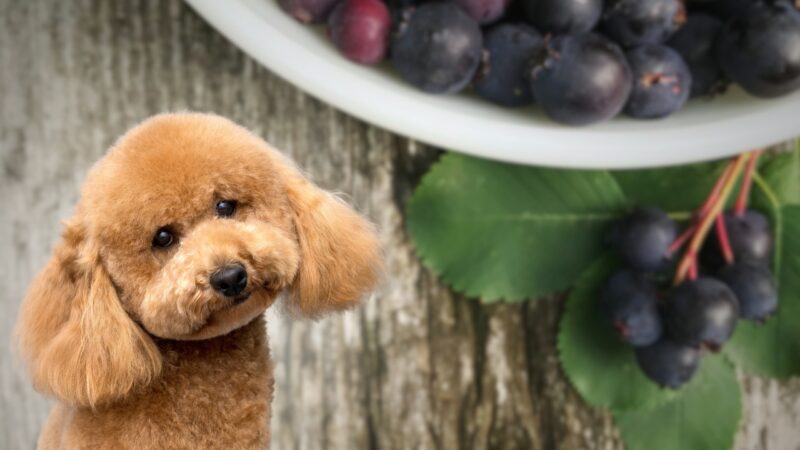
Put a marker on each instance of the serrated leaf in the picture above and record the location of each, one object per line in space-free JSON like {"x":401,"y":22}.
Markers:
{"x":704,"y":415}
{"x":773,"y":349}
{"x":501,"y":231}
{"x":680,"y":188}
{"x":599,"y":366}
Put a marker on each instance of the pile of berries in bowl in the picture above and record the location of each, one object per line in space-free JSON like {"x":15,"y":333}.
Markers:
{"x":581,"y":61}
{"x":672,"y":310}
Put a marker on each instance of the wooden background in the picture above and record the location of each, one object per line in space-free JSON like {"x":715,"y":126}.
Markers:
{"x":415,"y":368}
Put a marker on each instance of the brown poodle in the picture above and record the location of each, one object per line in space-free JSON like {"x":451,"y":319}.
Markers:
{"x":146,"y":325}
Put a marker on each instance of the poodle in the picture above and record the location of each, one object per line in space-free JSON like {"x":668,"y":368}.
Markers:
{"x":147,"y":325}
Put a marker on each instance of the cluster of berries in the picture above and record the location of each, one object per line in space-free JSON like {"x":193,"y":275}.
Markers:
{"x":582,"y":61}
{"x":671,"y":321}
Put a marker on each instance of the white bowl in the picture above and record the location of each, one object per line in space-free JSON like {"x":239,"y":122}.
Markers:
{"x":705,"y":129}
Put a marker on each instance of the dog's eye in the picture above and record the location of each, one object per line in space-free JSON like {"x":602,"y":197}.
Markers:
{"x":163,"y":238}
{"x":226,"y":208}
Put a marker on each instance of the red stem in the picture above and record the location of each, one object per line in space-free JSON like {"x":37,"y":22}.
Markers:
{"x":724,"y":242}
{"x":682,"y":239}
{"x":747,"y":183}
{"x":713,"y":196}
{"x":693,"y":269}
{"x":715,"y":191}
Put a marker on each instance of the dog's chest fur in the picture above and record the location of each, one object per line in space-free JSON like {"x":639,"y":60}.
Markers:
{"x":211,"y":394}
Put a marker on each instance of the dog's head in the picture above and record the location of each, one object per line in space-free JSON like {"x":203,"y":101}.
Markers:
{"x":187,"y":229}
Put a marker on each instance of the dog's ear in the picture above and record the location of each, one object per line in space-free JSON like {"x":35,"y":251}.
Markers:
{"x":77,"y":340}
{"x":340,"y":257}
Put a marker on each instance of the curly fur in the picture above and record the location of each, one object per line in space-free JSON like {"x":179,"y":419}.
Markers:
{"x":137,"y":347}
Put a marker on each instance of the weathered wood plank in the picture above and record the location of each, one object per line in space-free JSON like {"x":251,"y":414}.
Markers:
{"x":416,"y":368}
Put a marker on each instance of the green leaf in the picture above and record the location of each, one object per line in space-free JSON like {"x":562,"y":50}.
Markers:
{"x":773,"y":349}
{"x":501,"y":231}
{"x":703,"y":416}
{"x":681,"y":188}
{"x":782,"y":173}
{"x":600,"y":367}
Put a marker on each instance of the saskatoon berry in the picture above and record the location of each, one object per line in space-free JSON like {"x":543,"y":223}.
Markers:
{"x":760,"y":50}
{"x":582,"y":79}
{"x":643,"y":238}
{"x":504,"y":77}
{"x":702,"y":312}
{"x":484,"y":11}
{"x":563,"y":16}
{"x":662,"y":82}
{"x":695,"y":43}
{"x":630,"y":303}
{"x":750,"y":236}
{"x":308,"y":11}
{"x":754,"y":288}
{"x":637,"y":22}
{"x":360,"y":29}
{"x":437,"y":48}
{"x":667,"y":363}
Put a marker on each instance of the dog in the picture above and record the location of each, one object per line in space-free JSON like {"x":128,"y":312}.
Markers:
{"x":146,"y":325}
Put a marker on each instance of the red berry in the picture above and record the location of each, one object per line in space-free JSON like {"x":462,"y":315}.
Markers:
{"x":360,"y":29}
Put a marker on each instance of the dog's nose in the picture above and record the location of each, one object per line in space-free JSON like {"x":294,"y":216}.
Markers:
{"x":229,"y":280}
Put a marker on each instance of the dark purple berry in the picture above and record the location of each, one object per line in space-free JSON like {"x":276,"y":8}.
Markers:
{"x":750,"y":236}
{"x":504,"y":78}
{"x":661,"y":82}
{"x":755,"y":290}
{"x":583,"y":79}
{"x":563,"y":16}
{"x":695,"y":43}
{"x":668,"y":364}
{"x":701,"y":313}
{"x":360,"y":29}
{"x":760,"y":50}
{"x":308,"y":11}
{"x":630,"y":304}
{"x":642,"y":239}
{"x":637,"y":22}
{"x":437,"y":48}
{"x":484,"y":11}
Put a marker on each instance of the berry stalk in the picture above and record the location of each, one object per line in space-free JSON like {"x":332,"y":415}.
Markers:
{"x":724,"y":241}
{"x":747,"y":183}
{"x":698,"y":216}
{"x":689,"y":258}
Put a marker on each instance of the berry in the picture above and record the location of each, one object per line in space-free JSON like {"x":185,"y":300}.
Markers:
{"x":582,"y":79}
{"x":437,"y":48}
{"x":750,"y":236}
{"x":637,"y":22}
{"x":662,"y":82}
{"x":754,"y":288}
{"x":504,"y":77}
{"x":643,"y":239}
{"x":308,"y":11}
{"x":630,"y":303}
{"x":360,"y":29}
{"x":695,"y":43}
{"x":750,"y":239}
{"x":702,"y":312}
{"x":484,"y":11}
{"x":667,"y":363}
{"x":563,"y":16}
{"x":760,"y":50}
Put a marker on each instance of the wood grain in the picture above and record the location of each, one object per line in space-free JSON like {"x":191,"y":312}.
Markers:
{"x":416,"y":368}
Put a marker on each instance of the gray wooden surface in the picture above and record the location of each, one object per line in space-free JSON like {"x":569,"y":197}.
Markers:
{"x":415,"y":368}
